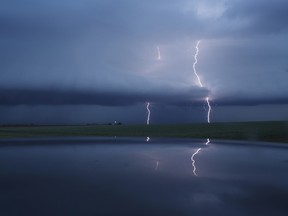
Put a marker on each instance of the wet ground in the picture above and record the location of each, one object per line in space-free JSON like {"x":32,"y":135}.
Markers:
{"x":130,"y":176}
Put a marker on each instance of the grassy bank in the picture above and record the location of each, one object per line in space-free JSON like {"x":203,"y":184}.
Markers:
{"x":260,"y":131}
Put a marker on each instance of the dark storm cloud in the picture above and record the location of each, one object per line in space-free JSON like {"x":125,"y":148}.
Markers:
{"x":26,"y":96}
{"x":104,"y":52}
{"x":260,"y":17}
{"x":40,"y":55}
{"x":251,"y":101}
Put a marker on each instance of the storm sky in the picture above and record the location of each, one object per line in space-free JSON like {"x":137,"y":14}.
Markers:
{"x":96,"y":61}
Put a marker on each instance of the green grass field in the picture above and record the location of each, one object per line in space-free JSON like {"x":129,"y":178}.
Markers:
{"x":257,"y":131}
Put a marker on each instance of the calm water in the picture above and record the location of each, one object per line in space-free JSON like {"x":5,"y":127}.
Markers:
{"x":129,"y":176}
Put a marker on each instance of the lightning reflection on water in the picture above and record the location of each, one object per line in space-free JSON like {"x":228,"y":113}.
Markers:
{"x":193,"y":160}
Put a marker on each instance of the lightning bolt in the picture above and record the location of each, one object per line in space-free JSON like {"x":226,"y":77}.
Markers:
{"x":148,"y":118}
{"x":195,"y":63}
{"x":148,"y":103}
{"x":148,"y":113}
{"x":207,"y":99}
{"x":209,"y":109}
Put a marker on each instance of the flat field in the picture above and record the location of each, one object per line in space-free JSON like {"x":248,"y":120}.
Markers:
{"x":272,"y":131}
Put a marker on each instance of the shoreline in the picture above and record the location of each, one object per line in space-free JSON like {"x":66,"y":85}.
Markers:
{"x":272,"y":132}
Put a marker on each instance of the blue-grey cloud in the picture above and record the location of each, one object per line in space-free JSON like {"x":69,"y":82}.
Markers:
{"x":105,"y":52}
{"x":259,"y":17}
{"x":44,"y":96}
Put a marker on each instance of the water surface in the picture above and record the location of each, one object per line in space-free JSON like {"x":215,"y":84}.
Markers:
{"x":129,"y":176}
